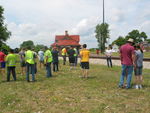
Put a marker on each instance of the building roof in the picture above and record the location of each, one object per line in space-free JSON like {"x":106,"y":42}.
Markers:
{"x":63,"y":40}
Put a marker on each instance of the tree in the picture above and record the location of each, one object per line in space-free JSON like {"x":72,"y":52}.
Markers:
{"x":102,"y":34}
{"x":137,"y":36}
{"x":26,"y":44}
{"x":119,"y":41}
{"x":38,"y":47}
{"x":4,"y":33}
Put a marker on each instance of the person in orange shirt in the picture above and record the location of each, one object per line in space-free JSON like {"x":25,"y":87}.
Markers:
{"x":84,"y":54}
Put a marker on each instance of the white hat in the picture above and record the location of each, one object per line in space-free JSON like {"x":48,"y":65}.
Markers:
{"x":130,"y":40}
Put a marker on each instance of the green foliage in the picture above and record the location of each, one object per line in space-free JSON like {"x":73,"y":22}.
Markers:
{"x":134,"y":34}
{"x":120,"y":41}
{"x":26,"y":44}
{"x":38,"y":47}
{"x":102,"y":34}
{"x":137,"y":36}
{"x":5,"y":48}
{"x":148,"y":40}
{"x":4,"y":33}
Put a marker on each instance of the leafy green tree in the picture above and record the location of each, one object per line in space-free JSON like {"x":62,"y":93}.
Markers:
{"x":137,"y":36}
{"x":26,"y":44}
{"x":5,"y":48}
{"x":148,"y":40}
{"x":120,"y":41}
{"x":4,"y":33}
{"x":102,"y":34}
{"x":38,"y":47}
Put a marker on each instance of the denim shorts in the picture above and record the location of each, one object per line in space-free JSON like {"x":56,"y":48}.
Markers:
{"x":2,"y":64}
{"x":138,"y":71}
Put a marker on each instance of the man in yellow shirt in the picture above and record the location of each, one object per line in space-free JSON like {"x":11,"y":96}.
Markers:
{"x":84,"y":54}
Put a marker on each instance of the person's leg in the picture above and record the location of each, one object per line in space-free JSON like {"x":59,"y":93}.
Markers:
{"x":14,"y":73}
{"x":27,"y":71}
{"x":8,"y":74}
{"x":53,"y":66}
{"x":48,"y":69}
{"x":33,"y":71}
{"x":86,"y":73}
{"x":57,"y":66}
{"x":129,"y":78}
{"x":123,"y":73}
{"x":110,"y":61}
{"x":107,"y":62}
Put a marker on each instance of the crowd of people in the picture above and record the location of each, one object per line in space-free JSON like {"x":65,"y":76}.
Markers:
{"x":131,"y":56}
{"x":46,"y":58}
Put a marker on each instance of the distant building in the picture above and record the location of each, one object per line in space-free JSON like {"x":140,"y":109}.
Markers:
{"x":66,"y":41}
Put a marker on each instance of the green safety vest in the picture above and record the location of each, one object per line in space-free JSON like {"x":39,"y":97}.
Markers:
{"x":11,"y":60}
{"x":29,"y":57}
{"x":49,"y":55}
{"x":75,"y":54}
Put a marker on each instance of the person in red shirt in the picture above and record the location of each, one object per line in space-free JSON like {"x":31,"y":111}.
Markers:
{"x":127,"y":55}
{"x":2,"y":63}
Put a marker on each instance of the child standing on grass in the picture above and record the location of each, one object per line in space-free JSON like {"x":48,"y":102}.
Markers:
{"x":139,"y":67}
{"x":11,"y":65}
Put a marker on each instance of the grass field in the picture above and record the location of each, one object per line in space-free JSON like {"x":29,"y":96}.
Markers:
{"x":66,"y":92}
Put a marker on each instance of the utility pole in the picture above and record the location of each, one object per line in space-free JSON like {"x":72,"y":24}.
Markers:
{"x":103,"y":12}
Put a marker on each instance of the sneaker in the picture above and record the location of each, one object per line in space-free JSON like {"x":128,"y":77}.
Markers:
{"x":136,"y":87}
{"x":140,"y":86}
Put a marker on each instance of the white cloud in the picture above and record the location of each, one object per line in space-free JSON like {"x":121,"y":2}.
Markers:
{"x":41,"y":20}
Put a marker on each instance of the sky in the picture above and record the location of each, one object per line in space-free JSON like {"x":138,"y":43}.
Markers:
{"x":41,"y":20}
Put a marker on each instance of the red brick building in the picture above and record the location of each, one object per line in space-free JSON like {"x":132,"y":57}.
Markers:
{"x":66,"y":40}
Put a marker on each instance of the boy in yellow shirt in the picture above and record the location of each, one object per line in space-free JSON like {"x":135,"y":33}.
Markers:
{"x":84,"y":54}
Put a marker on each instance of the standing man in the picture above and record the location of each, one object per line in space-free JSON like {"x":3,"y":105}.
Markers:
{"x":55,"y":53}
{"x":64,"y":52}
{"x":84,"y":54}
{"x":11,"y":60}
{"x":2,"y":63}
{"x":128,"y":61}
{"x":47,"y":61}
{"x":71,"y":56}
{"x":22,"y":61}
{"x":41,"y":57}
{"x":29,"y":57}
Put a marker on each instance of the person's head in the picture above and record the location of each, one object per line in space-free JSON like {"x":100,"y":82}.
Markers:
{"x":54,"y":48}
{"x":130,"y":41}
{"x":84,"y":46}
{"x":45,"y":48}
{"x":11,"y":51}
{"x":29,"y":47}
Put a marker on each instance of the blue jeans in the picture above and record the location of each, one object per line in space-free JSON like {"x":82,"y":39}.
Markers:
{"x":30,"y":69}
{"x":48,"y":70}
{"x":126,"y":70}
{"x":9,"y":71}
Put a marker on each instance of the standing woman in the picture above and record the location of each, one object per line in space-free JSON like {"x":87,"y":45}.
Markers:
{"x":139,"y":67}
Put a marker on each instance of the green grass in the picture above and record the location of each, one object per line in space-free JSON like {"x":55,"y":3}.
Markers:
{"x":66,"y":92}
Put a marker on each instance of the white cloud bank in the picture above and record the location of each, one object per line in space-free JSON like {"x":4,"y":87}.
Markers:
{"x":41,"y":20}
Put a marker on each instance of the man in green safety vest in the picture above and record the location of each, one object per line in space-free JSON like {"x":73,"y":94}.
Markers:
{"x":47,"y":61}
{"x":11,"y":65}
{"x":29,"y":57}
{"x":63,"y":53}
